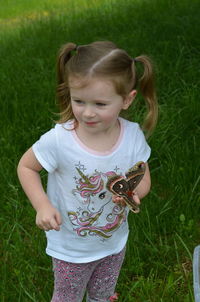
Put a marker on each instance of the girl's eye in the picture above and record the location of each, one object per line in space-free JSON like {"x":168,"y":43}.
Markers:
{"x":78,"y":101}
{"x":100,"y":104}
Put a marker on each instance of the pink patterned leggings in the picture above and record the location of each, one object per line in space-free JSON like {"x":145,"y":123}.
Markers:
{"x":98,"y":278}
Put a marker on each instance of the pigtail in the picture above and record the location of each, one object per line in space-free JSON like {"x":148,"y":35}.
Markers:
{"x":147,"y":89}
{"x":63,"y":93}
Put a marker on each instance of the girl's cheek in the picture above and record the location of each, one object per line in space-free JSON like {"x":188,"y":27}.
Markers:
{"x":110,"y":117}
{"x":75,"y":110}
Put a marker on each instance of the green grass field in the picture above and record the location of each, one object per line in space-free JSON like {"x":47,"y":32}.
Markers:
{"x":158,"y":264}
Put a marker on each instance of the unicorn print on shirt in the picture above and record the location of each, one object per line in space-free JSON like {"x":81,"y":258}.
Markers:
{"x":92,"y":218}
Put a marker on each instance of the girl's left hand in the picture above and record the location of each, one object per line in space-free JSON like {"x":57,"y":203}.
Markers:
{"x":120,"y":200}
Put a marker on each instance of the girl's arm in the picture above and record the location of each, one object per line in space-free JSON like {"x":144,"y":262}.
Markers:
{"x":144,"y":186}
{"x":47,"y":217}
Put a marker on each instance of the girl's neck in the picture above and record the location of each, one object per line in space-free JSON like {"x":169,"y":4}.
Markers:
{"x":102,"y":141}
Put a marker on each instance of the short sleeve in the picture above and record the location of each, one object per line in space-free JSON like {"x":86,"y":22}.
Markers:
{"x":142,"y":149}
{"x":45,"y":150}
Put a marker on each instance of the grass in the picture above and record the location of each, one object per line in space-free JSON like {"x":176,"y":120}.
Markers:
{"x":158,"y":264}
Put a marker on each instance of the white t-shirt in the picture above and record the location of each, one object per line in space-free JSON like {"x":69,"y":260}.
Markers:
{"x":92,"y":225}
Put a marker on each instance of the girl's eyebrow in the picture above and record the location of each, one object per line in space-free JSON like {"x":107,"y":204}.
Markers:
{"x":74,"y":97}
{"x":94,"y":100}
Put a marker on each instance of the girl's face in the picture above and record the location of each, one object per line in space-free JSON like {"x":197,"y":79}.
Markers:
{"x":96,"y":105}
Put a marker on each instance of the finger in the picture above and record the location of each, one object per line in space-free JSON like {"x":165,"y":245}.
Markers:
{"x":51,"y":226}
{"x":44,"y":227}
{"x":56,"y":222}
{"x":114,"y":198}
{"x":117,"y":199}
{"x":58,"y":218}
{"x":121,"y":201}
{"x":136,"y":198}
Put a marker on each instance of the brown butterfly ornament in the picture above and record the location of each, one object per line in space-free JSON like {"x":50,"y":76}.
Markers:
{"x":124,"y":186}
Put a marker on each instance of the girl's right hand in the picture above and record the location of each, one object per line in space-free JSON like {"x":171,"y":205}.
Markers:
{"x":48,"y":218}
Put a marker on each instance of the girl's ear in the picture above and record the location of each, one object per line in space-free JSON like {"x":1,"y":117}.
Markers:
{"x":129,"y":99}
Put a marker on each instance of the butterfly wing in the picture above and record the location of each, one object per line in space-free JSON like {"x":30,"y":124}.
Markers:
{"x":135,"y":175}
{"x":117,"y":185}
{"x":124,"y":187}
{"x":120,"y":187}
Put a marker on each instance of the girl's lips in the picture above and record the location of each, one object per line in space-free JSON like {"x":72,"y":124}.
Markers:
{"x":91,"y":123}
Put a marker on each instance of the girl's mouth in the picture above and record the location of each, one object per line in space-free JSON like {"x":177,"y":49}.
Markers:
{"x":91,"y":123}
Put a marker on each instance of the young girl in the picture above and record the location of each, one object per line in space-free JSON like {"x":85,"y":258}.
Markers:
{"x":86,"y":227}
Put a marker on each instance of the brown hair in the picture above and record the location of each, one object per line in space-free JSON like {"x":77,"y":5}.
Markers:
{"x":103,"y":59}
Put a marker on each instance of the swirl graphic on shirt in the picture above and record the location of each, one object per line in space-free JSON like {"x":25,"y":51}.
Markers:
{"x":97,"y":204}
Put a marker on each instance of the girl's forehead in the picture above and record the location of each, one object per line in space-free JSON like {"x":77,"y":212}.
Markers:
{"x":78,"y":82}
{"x":84,"y":82}
{"x":100,"y":88}
{"x":93,"y":89}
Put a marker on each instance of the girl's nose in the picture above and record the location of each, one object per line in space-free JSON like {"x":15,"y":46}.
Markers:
{"x":89,"y":112}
